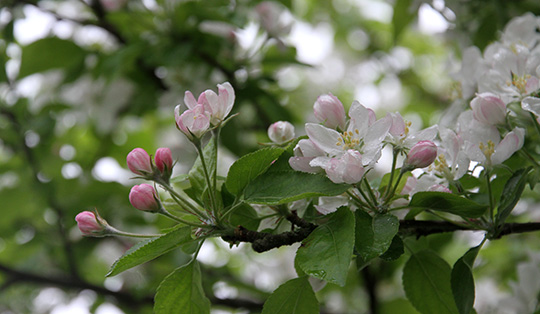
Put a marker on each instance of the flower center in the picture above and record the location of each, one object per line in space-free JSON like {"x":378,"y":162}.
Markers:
{"x":349,"y":141}
{"x":520,"y":82}
{"x":487,"y":149}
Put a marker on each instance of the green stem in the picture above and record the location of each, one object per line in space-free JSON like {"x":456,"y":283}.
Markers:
{"x":166,"y":213}
{"x":211,"y":189}
{"x":358,"y":200}
{"x":366,"y":198}
{"x":391,"y":194}
{"x":216,"y":135}
{"x":490,"y":195}
{"x":370,"y":192}
{"x":394,"y":161}
{"x":183,"y":202}
{"x":114,"y":231}
{"x":233,"y":207}
{"x":447,"y":219}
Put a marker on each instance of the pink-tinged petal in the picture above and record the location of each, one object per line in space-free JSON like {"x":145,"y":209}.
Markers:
{"x":144,"y":197}
{"x":325,"y":138}
{"x":439,"y":188}
{"x":281,"y":132}
{"x":139,"y":162}
{"x":329,"y":204}
{"x":209,"y":100}
{"x":303,"y":164}
{"x":330,"y":111}
{"x":488,"y":108}
{"x":511,"y":143}
{"x":226,"y":98}
{"x":533,"y":84}
{"x":193,"y":122}
{"x":307,"y":148}
{"x":360,"y":118}
{"x":398,"y":124}
{"x":409,"y":186}
{"x":531,"y":104}
{"x":190,"y":100}
{"x":421,"y":155}
{"x":378,"y":131}
{"x":461,"y":166}
{"x":163,"y":159}
{"x":88,"y":224}
{"x":347,"y":169}
{"x":427,"y":134}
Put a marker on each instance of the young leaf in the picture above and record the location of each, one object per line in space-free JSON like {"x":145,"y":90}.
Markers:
{"x":326,"y":253}
{"x":374,"y":235}
{"x":293,"y":297}
{"x":147,"y":250}
{"x":49,"y":53}
{"x":463,"y":282}
{"x":511,"y":194}
{"x":181,"y":292}
{"x":426,"y":280}
{"x":249,"y":167}
{"x":449,"y":203}
{"x":286,"y":186}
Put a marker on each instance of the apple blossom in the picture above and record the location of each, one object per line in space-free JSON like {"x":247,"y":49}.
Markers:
{"x":139,"y":162}
{"x":193,"y":122}
{"x":488,"y":108}
{"x":347,"y":169}
{"x":330,"y":111}
{"x":144,"y":197}
{"x":215,"y":107}
{"x":90,"y":224}
{"x":304,"y":152}
{"x":281,"y":132}
{"x":421,"y":155}
{"x":163,"y":159}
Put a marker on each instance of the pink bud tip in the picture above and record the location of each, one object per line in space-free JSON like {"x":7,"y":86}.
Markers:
{"x":421,"y":155}
{"x":139,"y":162}
{"x":163,"y":159}
{"x":144,"y":197}
{"x":88,"y":224}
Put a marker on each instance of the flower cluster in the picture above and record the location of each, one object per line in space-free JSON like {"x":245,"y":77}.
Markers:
{"x":206,"y":113}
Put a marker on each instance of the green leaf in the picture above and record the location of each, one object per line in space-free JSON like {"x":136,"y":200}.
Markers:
{"x":295,"y":297}
{"x":49,"y":53}
{"x":147,"y":250}
{"x":511,"y":194}
{"x":281,"y":187}
{"x":426,"y":281}
{"x":249,"y":167}
{"x":449,"y":203}
{"x":403,"y":16}
{"x":373,"y":235}
{"x":181,"y":292}
{"x":463,"y":282}
{"x":395,"y":250}
{"x":245,"y":216}
{"x":326,"y":253}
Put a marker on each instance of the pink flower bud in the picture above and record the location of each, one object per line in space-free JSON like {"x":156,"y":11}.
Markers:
{"x":281,"y":132}
{"x":329,"y":111}
{"x":89,"y":224}
{"x":144,"y":197}
{"x":193,"y":122}
{"x":488,"y":108}
{"x":347,"y":169}
{"x":139,"y":162}
{"x":421,"y":155}
{"x":163,"y":159}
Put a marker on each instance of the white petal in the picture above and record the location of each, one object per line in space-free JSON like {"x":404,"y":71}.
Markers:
{"x":325,"y":138}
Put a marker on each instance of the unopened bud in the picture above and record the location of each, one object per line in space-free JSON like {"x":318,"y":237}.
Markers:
{"x":163,"y":159}
{"x":329,"y":111}
{"x":421,"y":155}
{"x":488,"y":108}
{"x":144,"y":197}
{"x":281,"y":132}
{"x":90,"y":224}
{"x":139,"y":162}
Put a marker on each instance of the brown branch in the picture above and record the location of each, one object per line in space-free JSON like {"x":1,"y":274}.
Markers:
{"x":262,"y":242}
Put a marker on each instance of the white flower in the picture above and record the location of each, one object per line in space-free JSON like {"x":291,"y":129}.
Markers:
{"x":400,"y":136}
{"x":346,"y":169}
{"x":217,"y":107}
